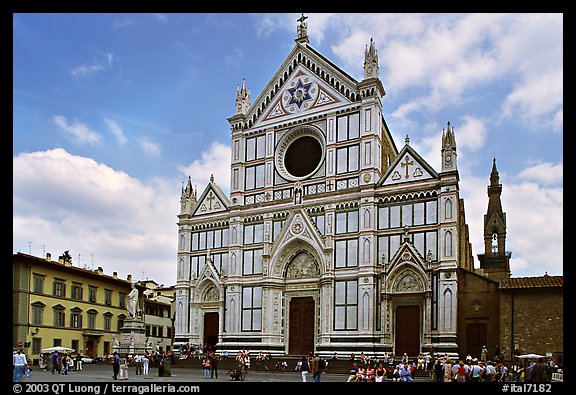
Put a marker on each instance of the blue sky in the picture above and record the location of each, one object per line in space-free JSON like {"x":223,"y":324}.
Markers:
{"x":112,"y":112}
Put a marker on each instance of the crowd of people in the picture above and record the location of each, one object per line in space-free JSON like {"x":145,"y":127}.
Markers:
{"x":443,"y":368}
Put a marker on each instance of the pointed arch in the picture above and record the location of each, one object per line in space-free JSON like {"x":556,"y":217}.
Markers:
{"x":365,"y":310}
{"x":448,"y":301}
{"x":448,"y":208}
{"x":448,"y":243}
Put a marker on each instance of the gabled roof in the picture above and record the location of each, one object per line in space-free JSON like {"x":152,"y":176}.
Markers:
{"x":212,"y":200}
{"x":307,"y":71}
{"x":407,"y":167}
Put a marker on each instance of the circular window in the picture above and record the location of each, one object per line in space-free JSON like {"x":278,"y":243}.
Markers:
{"x":300,"y":153}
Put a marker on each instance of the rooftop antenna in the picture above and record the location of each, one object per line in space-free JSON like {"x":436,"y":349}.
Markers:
{"x":91,"y":261}
{"x":29,"y":248}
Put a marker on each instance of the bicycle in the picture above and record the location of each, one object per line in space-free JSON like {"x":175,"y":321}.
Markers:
{"x":261,"y":367}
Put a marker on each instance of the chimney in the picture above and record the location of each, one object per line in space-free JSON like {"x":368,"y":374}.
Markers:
{"x":114,"y":274}
{"x":49,"y":257}
{"x":129,"y":278}
{"x":100,"y":270}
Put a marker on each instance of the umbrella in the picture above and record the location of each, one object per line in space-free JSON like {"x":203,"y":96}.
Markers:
{"x":57,"y":348}
{"x":531,"y":356}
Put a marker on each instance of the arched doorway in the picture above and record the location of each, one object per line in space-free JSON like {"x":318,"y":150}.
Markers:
{"x":302,"y":292}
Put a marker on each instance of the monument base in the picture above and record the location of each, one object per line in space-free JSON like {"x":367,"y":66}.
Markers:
{"x":133,"y":337}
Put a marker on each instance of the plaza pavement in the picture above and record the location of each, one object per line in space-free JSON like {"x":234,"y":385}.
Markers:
{"x":102,"y":372}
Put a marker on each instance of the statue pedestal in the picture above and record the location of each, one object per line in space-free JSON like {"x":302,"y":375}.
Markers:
{"x":133,"y":337}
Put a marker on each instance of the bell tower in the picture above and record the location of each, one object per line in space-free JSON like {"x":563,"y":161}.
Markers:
{"x":495,"y":262}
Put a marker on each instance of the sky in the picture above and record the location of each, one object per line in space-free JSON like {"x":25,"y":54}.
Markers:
{"x":112,"y":112}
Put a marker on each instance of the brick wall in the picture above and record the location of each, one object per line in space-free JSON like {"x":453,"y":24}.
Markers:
{"x":532,"y":320}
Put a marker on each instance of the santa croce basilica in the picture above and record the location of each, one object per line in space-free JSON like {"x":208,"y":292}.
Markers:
{"x":333,"y":238}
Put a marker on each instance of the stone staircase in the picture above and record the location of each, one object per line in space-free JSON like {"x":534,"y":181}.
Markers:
{"x":338,"y":366}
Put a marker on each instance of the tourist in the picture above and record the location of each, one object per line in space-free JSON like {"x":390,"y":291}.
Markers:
{"x":475,"y":371}
{"x":316,"y":368}
{"x":123,"y":364}
{"x":448,"y":371}
{"x":406,"y":373}
{"x":115,"y":365}
{"x":461,"y":373}
{"x":380,"y":374}
{"x":206,"y":366}
{"x":304,"y":368}
{"x":19,"y":365}
{"x":145,"y":363}
{"x":439,"y":371}
{"x":55,"y":362}
{"x":353,"y":373}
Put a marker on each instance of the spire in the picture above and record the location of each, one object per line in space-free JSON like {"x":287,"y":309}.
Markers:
{"x":494,"y":176}
{"x":242,"y":99}
{"x":187,"y":197}
{"x":448,"y":148}
{"x":302,"y":29}
{"x":370,"y":61}
{"x":495,"y":260}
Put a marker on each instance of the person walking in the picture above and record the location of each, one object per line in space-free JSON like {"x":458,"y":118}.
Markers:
{"x":304,"y":368}
{"x":145,"y":363}
{"x":123,"y":368}
{"x":115,"y":365}
{"x":316,"y":368}
{"x":78,"y":362}
{"x":64,"y":363}
{"x":138,"y":363}
{"x":19,"y":365}
{"x":55,"y":362}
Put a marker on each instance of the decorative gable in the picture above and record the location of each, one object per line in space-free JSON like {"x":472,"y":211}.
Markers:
{"x":302,"y":92}
{"x":408,"y":167}
{"x":211,"y":201}
{"x":408,"y":254}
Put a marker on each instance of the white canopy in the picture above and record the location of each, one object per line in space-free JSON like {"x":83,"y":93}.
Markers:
{"x":57,"y":348}
{"x":531,"y":356}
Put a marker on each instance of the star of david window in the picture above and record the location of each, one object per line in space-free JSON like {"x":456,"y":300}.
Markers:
{"x":299,"y":93}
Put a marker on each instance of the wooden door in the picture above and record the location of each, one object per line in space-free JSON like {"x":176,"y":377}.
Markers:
{"x":408,"y":330}
{"x":476,"y":336}
{"x":211,"y":330}
{"x":301,"y":327}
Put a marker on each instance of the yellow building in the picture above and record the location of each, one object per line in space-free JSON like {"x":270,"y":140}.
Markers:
{"x":58,"y":304}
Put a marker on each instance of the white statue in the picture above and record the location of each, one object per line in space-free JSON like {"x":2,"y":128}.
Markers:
{"x":133,"y":301}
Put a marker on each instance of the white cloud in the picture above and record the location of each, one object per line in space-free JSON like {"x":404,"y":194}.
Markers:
{"x":544,"y":173}
{"x":78,"y":130}
{"x":149,"y":148}
{"x":90,"y":208}
{"x":534,"y":221}
{"x":98,"y":64}
{"x":215,"y":161}
{"x":116,"y":130}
